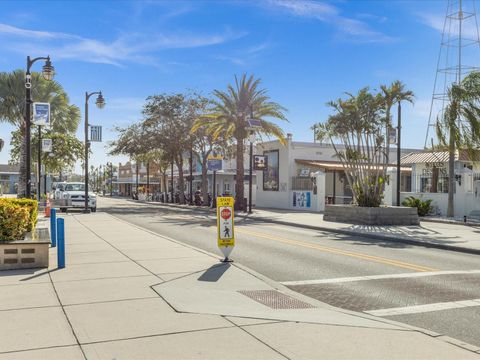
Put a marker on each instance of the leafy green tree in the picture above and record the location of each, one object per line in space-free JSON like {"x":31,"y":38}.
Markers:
{"x":228,"y":120}
{"x":203,"y":142}
{"x":459,"y":128}
{"x":66,"y":150}
{"x":359,"y":123}
{"x":168,"y":121}
{"x":64,"y":116}
{"x":131,"y":141}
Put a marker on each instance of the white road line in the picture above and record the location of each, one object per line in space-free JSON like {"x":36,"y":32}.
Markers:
{"x":379,"y":277}
{"x":416,"y":309}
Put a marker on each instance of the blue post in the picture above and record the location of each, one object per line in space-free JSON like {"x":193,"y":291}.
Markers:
{"x":53,"y":227}
{"x":61,"y":243}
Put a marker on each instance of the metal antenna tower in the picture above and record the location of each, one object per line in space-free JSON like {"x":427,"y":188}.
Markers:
{"x":458,"y":56}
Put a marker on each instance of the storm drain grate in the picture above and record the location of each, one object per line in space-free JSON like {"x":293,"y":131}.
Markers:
{"x":275,"y":299}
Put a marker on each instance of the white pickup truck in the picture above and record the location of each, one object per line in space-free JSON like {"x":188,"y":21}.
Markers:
{"x":72,"y":195}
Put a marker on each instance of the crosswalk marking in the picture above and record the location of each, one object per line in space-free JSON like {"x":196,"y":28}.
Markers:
{"x":416,"y":309}
{"x":379,"y":277}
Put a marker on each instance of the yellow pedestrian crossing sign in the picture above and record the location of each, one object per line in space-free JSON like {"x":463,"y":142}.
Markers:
{"x":225,"y":225}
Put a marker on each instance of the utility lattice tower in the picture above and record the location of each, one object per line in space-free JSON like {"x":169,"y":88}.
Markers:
{"x":459,"y":55}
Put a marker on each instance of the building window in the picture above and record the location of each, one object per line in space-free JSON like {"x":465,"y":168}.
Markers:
{"x":271,"y":173}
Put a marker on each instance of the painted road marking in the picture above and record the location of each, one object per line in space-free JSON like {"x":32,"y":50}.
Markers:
{"x":379,"y":277}
{"x":332,"y":250}
{"x":417,"y":309}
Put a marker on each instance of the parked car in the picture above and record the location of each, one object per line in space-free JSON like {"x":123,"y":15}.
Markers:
{"x":73,"y":196}
{"x":57,"y":189}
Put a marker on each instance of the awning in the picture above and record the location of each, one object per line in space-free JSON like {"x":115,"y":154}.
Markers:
{"x":337,"y":166}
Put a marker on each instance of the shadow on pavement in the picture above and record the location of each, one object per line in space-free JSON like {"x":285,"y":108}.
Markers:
{"x":214,"y":273}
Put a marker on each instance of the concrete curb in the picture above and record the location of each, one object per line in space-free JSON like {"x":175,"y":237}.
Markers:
{"x":392,"y":238}
{"x":451,"y":222}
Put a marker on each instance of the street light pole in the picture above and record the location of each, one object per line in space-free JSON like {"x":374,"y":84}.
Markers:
{"x":250,"y":178}
{"x":399,"y":132}
{"x":173,"y":195}
{"x":191,"y":175}
{"x":48,"y":72}
{"x":111,"y":179}
{"x":100,"y":102}
{"x":39,"y":159}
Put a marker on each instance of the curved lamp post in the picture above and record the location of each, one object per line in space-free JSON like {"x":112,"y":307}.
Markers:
{"x":100,"y":102}
{"x":48,"y":73}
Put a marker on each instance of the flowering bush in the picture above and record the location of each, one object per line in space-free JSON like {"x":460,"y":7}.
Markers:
{"x":14,"y":220}
{"x":32,"y":208}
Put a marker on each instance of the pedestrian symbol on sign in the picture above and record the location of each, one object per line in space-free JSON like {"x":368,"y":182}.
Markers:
{"x":225,"y":225}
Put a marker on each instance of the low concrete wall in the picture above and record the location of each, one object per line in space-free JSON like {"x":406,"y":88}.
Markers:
{"x":385,"y":215}
{"x":29,"y":253}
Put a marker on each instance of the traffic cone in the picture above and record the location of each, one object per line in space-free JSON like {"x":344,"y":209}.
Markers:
{"x":47,"y":209}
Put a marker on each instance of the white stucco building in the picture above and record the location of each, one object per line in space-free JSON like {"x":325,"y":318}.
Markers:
{"x":305,"y":176}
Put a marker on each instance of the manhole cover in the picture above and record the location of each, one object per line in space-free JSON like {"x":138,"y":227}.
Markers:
{"x":275,"y":299}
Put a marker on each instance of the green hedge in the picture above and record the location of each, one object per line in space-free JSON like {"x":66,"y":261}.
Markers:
{"x":424,"y":207}
{"x":32,"y":207}
{"x":14,"y":220}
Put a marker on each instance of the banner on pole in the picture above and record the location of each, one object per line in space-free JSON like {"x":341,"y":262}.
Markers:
{"x":41,"y":114}
{"x":260,"y":162}
{"x":392,"y":136}
{"x":47,"y":145}
{"x":96,"y":133}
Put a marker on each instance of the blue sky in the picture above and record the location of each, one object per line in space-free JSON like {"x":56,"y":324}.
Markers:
{"x":305,"y":52}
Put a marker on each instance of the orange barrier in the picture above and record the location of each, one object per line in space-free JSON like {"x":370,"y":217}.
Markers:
{"x":47,"y":209}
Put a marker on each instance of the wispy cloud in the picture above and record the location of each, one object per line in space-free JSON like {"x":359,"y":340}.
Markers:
{"x":33,"y":34}
{"x":134,"y":47}
{"x":437,"y":22}
{"x":357,"y":30}
{"x":245,"y":56}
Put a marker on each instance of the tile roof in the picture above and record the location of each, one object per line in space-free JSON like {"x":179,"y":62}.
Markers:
{"x":11,"y":169}
{"x":429,"y":157}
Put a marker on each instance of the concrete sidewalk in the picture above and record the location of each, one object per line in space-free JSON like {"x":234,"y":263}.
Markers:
{"x":438,"y":234}
{"x":127,"y":293}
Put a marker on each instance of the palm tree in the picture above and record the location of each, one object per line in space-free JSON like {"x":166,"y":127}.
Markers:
{"x":64,"y":117}
{"x":392,"y":95}
{"x":459,"y":128}
{"x":228,"y":120}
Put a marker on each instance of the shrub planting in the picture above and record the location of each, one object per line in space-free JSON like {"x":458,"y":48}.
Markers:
{"x":14,"y":220}
{"x":423,"y":207}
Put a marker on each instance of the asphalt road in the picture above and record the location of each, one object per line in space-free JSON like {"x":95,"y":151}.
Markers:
{"x":423,"y":286}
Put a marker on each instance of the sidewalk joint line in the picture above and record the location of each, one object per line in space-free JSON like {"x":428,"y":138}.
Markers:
{"x":256,"y":338}
{"x":157,"y":335}
{"x":153,"y":296}
{"x":66,"y":317}
{"x":40,"y":348}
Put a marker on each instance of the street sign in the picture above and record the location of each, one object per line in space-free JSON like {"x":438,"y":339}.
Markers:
{"x":225,"y":225}
{"x":47,"y":145}
{"x":260,"y":162}
{"x":214,"y":164}
{"x":96,"y":133}
{"x":254,"y":123}
{"x":41,"y":114}
{"x":392,"y":135}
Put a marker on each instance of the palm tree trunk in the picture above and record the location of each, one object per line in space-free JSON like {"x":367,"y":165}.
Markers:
{"x":451,"y":173}
{"x":179,"y":162}
{"x":239,"y":188}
